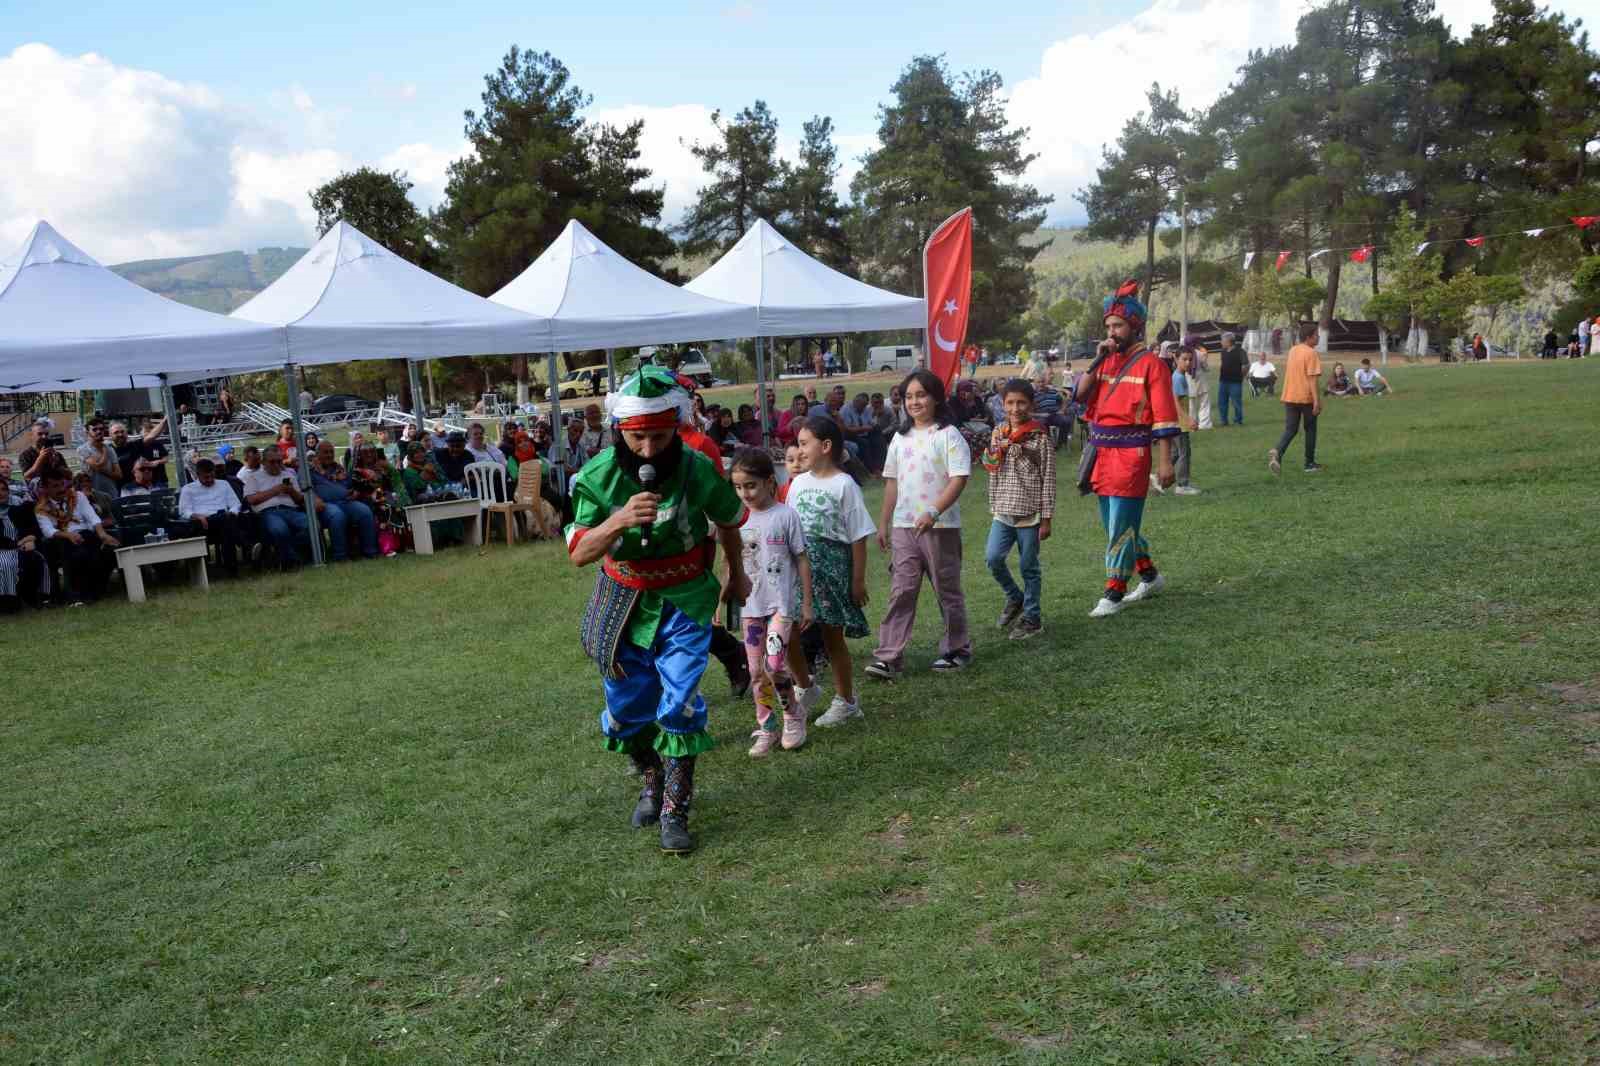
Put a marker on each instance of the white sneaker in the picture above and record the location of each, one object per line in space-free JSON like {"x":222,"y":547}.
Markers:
{"x":1105,"y":608}
{"x":1146,"y":589}
{"x":1155,"y":486}
{"x":1186,"y":490}
{"x":839,"y":712}
{"x":807,"y":698}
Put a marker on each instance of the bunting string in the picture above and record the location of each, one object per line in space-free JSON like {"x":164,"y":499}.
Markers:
{"x":1362,"y":252}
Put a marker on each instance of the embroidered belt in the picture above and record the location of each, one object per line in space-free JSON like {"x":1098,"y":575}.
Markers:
{"x":655,"y":574}
{"x":1119,"y":436}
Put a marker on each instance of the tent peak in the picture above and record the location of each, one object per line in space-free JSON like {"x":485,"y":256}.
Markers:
{"x":46,"y":245}
{"x":584,"y":242}
{"x":348,"y":244}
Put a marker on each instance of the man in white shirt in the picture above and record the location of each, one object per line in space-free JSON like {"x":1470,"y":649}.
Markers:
{"x":596,"y":434}
{"x":69,"y":524}
{"x":1263,"y":375}
{"x":271,"y":492}
{"x":1371,"y":383}
{"x":482,"y":451}
{"x":212,"y":506}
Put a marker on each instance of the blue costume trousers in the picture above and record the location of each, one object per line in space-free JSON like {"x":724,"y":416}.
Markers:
{"x":1126,"y":550}
{"x":660,"y":685}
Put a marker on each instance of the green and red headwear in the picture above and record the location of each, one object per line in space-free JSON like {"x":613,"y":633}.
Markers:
{"x":1124,"y":303}
{"x":649,"y":399}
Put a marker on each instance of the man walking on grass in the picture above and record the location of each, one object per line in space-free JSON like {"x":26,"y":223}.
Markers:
{"x":1302,"y":399}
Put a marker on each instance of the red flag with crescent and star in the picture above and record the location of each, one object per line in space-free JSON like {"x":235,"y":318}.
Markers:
{"x":947,"y":281}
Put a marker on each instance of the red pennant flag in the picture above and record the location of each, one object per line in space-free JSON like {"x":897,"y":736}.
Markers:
{"x":947,"y":281}
{"x":1585,"y":221}
{"x":1475,"y":242}
{"x":1362,"y":254}
{"x":1283,"y":257}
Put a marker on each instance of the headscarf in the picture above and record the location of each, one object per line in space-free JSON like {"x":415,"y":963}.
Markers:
{"x":1124,"y":303}
{"x":525,"y":449}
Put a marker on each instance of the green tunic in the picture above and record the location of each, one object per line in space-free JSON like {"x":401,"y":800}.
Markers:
{"x":695,"y":496}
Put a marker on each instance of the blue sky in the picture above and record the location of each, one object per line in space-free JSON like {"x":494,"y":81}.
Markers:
{"x":175,"y":128}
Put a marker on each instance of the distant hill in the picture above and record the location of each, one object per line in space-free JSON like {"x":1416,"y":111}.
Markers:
{"x":219,"y":282}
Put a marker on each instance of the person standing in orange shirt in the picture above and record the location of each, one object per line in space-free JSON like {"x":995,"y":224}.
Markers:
{"x":1302,"y":399}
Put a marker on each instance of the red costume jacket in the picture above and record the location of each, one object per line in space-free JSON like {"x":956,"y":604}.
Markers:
{"x":1125,"y":420}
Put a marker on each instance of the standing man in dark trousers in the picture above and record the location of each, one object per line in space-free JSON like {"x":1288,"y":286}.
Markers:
{"x":1231,"y":380}
{"x":1302,"y":399}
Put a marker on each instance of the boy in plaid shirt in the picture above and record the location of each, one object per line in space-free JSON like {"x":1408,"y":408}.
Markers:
{"x":1021,"y":462}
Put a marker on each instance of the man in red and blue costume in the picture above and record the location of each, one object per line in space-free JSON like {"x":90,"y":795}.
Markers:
{"x":1127,"y":394}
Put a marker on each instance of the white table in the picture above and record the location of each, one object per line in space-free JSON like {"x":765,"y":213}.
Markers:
{"x":420,"y":514}
{"x":132,"y":559}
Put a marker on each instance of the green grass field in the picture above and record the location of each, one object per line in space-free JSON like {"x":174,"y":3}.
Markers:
{"x":1331,"y":799}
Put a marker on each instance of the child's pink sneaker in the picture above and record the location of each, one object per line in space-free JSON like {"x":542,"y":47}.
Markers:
{"x":794,"y":730}
{"x":765,"y":742}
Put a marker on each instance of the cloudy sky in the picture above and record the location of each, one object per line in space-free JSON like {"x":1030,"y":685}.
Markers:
{"x":158,"y":130}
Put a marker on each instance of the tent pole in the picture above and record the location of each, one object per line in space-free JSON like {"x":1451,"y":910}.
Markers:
{"x":169,"y":408}
{"x":555,"y":427}
{"x":417,"y":406}
{"x":761,"y":388}
{"x":611,"y":371}
{"x":303,"y":474}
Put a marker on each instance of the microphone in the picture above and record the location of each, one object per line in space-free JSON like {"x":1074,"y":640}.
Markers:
{"x":647,"y":480}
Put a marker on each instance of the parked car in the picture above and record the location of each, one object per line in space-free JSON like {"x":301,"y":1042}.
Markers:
{"x":1082,"y":350}
{"x":590,"y":381}
{"x":691,"y":363}
{"x":340,"y":401}
{"x":1006,"y":359}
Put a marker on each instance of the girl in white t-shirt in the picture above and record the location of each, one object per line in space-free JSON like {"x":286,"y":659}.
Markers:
{"x":927,"y":467}
{"x":780,"y":580}
{"x":834,"y":517}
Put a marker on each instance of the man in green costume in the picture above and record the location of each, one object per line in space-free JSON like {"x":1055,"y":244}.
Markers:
{"x":644,"y":509}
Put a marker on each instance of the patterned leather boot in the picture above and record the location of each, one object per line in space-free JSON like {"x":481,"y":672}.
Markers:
{"x":679,"y":794}
{"x":647,"y":811}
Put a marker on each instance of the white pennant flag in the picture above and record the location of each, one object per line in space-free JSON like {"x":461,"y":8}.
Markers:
{"x":1313,"y":255}
{"x":1532,"y":232}
{"x":1422,"y":246}
{"x":1248,"y":257}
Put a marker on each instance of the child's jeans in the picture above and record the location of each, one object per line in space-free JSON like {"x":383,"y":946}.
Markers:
{"x":1026,"y":539}
{"x":766,"y":642}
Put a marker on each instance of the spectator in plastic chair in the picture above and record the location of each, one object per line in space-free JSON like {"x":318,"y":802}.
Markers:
{"x":340,"y":511}
{"x":479,"y":447}
{"x":214,"y":511}
{"x":287,"y":451}
{"x":18,"y":489}
{"x":144,"y":479}
{"x":83,"y":482}
{"x":596,"y":434}
{"x":453,"y":458}
{"x":438,"y":438}
{"x":1263,"y":376}
{"x":789,"y":421}
{"x":68,"y":521}
{"x":22,"y":566}
{"x":227,"y":465}
{"x":576,"y":454}
{"x":270,"y":492}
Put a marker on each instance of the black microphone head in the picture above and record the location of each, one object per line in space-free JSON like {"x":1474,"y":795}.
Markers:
{"x":647,"y":475}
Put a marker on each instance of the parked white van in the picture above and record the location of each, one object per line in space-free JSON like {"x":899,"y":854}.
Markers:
{"x":903,"y":357}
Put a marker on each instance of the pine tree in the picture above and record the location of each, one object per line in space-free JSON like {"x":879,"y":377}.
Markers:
{"x":747,"y":181}
{"x":813,"y":216}
{"x":945,"y":144}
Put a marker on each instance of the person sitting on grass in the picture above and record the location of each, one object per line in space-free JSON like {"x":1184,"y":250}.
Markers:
{"x":1371,"y":383}
{"x":214,"y":510}
{"x":1339,"y":383}
{"x":1021,"y":461}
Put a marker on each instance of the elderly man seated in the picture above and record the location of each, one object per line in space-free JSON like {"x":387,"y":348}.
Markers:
{"x":1049,"y":406}
{"x":144,"y":479}
{"x":68,"y":523}
{"x":339,"y":510}
{"x":19,"y":488}
{"x":272,"y":494}
{"x":210,"y":504}
{"x":452,"y":459}
{"x":22,"y":566}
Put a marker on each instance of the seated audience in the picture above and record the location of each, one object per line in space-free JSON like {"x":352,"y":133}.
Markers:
{"x":286,"y":446}
{"x":98,"y":459}
{"x":1339,"y":384}
{"x":747,"y":427}
{"x":452,"y":459}
{"x":97,"y":499}
{"x":479,"y":447}
{"x":147,"y":446}
{"x":789,"y":421}
{"x":69,"y":525}
{"x":24,"y":577}
{"x":1263,"y":376}
{"x":214,"y":510}
{"x":144,"y":479}
{"x":596,"y":434}
{"x":272,"y":494}
{"x":340,"y":511}
{"x":18,"y":487}
{"x":40,"y":458}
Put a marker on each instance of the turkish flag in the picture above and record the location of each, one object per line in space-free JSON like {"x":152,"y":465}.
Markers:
{"x":1362,"y":254}
{"x":1585,"y":221}
{"x":1475,"y":242}
{"x":1283,"y":257}
{"x":947,"y":281}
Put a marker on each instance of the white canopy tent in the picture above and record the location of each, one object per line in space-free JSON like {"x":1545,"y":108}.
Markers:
{"x":64,"y":319}
{"x":795,"y":295}
{"x":594,"y":298}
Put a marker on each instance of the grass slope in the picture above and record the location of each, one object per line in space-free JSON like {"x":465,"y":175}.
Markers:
{"x":220,"y":282}
{"x":1330,"y":800}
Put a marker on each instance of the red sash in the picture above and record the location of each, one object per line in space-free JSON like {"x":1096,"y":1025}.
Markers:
{"x":656,"y":574}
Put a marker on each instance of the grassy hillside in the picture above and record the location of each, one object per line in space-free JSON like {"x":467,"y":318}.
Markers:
{"x":220,"y":282}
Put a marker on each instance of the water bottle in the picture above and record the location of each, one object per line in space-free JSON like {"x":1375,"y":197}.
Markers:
{"x":160,"y":536}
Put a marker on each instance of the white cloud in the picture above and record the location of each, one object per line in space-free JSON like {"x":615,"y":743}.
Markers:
{"x":1090,"y":84}
{"x":426,"y":166}
{"x":130,"y":164}
{"x":664,"y":148}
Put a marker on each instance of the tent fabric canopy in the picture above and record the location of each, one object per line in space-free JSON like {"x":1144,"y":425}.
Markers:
{"x":795,"y":295}
{"x":64,"y":318}
{"x":350,"y":298}
{"x":594,"y":298}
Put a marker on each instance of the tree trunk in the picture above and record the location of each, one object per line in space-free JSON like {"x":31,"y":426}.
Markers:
{"x":1328,"y":302}
{"x":519,"y":370}
{"x":1149,"y":259}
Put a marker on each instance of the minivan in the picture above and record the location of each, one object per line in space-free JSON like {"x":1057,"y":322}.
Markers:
{"x":893,"y":357}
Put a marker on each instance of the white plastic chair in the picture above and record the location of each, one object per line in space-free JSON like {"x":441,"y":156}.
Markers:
{"x":487,"y":483}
